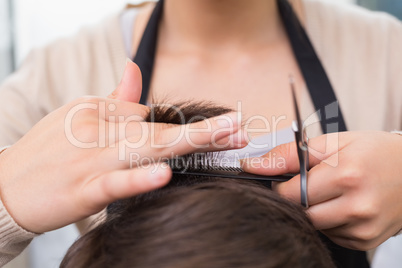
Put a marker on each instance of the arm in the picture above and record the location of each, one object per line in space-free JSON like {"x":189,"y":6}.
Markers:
{"x":21,"y":104}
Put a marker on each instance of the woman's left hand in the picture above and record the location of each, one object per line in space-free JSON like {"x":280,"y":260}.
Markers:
{"x":354,"y":184}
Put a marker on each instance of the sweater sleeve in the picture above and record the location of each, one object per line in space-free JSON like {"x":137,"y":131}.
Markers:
{"x":394,"y":86}
{"x":20,"y":105}
{"x":88,"y":63}
{"x":13,"y":238}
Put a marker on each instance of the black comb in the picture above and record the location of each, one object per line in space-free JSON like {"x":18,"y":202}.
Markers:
{"x":231,"y":173}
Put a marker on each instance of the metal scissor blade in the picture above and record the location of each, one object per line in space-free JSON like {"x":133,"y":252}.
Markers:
{"x":301,"y":145}
{"x":297,"y":111}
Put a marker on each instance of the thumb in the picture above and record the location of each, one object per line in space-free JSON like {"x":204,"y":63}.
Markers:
{"x":130,"y":86}
{"x":284,"y":159}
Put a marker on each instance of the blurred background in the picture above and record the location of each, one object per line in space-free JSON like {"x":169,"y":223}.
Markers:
{"x":25,"y":25}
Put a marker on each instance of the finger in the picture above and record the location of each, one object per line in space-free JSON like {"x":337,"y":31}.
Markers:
{"x":289,"y":189}
{"x":150,"y":142}
{"x":107,"y":109}
{"x":117,"y":111}
{"x":184,"y":139}
{"x":235,"y":141}
{"x":360,"y":236}
{"x":130,"y":86}
{"x":351,"y":243}
{"x":329,"y":214}
{"x":322,"y":184}
{"x":122,"y":184}
{"x":286,"y":158}
{"x":344,"y":236}
{"x":134,"y":131}
{"x":281,"y":159}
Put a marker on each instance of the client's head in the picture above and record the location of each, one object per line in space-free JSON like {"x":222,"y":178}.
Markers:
{"x":201,"y":222}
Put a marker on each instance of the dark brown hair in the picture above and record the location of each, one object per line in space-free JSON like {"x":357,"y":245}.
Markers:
{"x":202,"y":222}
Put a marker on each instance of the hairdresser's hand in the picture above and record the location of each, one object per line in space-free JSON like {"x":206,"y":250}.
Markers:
{"x":354,"y":185}
{"x":77,"y":159}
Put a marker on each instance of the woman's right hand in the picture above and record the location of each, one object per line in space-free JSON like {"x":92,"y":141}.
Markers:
{"x":79,"y":158}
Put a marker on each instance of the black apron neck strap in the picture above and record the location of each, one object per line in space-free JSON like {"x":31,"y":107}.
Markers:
{"x":145,"y":56}
{"x":319,"y":86}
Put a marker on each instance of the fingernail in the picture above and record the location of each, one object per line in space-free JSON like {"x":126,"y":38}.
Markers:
{"x":124,"y":76}
{"x":114,"y":93}
{"x":228,"y":120}
{"x":158,"y":175}
{"x":242,"y":162}
{"x":240,"y":138}
{"x":125,"y":73}
{"x":128,"y":60}
{"x":165,"y":165}
{"x":253,"y":162}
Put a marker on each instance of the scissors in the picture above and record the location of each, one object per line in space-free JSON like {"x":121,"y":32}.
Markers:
{"x":237,"y":173}
{"x":301,"y":145}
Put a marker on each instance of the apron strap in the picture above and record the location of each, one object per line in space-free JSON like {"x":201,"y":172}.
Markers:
{"x":318,"y":84}
{"x":145,"y":56}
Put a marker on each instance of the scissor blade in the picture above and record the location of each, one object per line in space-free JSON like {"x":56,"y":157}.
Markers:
{"x":296,"y":107}
{"x":302,"y":149}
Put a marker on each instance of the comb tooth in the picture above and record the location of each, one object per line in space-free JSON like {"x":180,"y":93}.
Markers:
{"x":229,"y":169}
{"x":178,"y":164}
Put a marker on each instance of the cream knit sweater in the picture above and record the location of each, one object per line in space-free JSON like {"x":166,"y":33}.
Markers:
{"x":360,"y":50}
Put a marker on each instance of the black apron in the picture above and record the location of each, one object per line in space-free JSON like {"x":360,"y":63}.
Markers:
{"x":318,"y":84}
